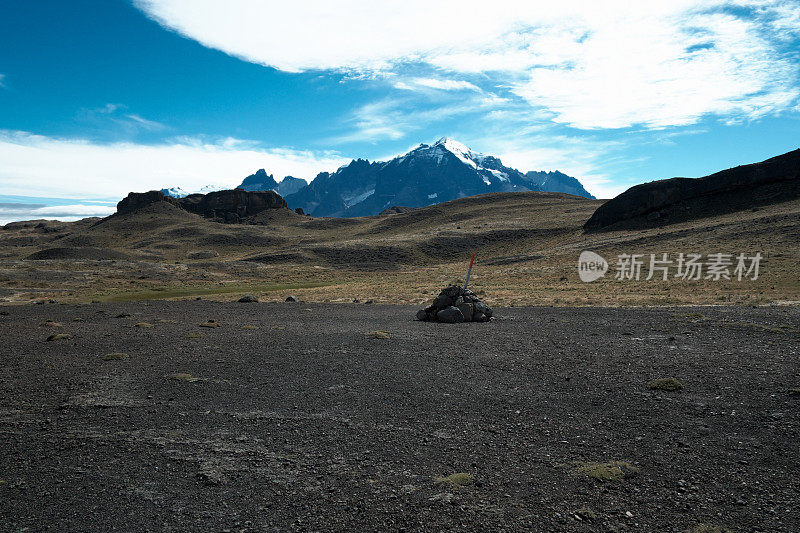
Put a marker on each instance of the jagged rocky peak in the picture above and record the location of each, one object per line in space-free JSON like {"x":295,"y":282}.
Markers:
{"x":429,"y":174}
{"x":259,"y":181}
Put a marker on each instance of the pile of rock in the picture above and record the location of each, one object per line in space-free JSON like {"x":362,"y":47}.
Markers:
{"x":456,"y":304}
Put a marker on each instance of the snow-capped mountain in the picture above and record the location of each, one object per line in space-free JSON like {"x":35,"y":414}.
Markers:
{"x":428,"y":174}
{"x":175,"y":192}
{"x":211,"y":188}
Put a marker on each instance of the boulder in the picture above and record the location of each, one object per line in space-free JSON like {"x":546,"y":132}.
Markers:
{"x":442,"y":301}
{"x":292,"y":299}
{"x":248,"y":299}
{"x":450,"y":315}
{"x":466,"y":310}
{"x":483,"y":309}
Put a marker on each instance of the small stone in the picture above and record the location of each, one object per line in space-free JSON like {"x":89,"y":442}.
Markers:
{"x":483,"y":309}
{"x":368,"y":302}
{"x":59,"y":337}
{"x":450,"y":315}
{"x":442,"y":301}
{"x":466,"y":310}
{"x":292,"y":299}
{"x":248,"y":299}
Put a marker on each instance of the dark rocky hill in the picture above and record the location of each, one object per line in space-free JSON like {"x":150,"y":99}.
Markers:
{"x":232,"y":206}
{"x":679,"y":199}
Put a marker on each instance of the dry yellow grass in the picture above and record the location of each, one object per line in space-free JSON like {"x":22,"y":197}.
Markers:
{"x":527,"y":245}
{"x":459,"y":479}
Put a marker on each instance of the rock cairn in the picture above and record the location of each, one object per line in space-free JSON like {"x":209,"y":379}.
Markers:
{"x":456,"y":304}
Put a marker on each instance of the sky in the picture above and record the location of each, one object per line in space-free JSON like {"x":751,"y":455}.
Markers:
{"x":102,"y":97}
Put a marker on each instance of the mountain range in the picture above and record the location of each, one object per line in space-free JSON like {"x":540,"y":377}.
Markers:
{"x":429,"y":174}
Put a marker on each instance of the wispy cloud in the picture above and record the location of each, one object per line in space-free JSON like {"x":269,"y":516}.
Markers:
{"x":115,"y":118}
{"x":588,"y":65}
{"x":394,"y":118}
{"x":438,"y":84}
{"x":144,"y":123}
{"x":35,"y":165}
{"x":2,"y":77}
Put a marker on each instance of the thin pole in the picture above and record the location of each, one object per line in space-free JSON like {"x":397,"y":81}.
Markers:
{"x":469,"y":271}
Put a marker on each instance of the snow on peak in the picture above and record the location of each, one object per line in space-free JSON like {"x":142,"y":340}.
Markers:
{"x":452,"y":145}
{"x":175,"y":192}
{"x":461,"y":151}
{"x":212,"y":188}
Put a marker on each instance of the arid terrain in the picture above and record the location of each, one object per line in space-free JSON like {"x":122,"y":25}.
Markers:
{"x":527,"y":245}
{"x":341,"y":417}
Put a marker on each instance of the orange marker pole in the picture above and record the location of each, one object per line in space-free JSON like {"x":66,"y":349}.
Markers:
{"x":469,"y":271}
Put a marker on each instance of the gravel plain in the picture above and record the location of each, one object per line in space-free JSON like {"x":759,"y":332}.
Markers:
{"x":298,"y":417}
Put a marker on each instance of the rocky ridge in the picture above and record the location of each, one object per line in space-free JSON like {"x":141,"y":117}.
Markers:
{"x":230,"y":206}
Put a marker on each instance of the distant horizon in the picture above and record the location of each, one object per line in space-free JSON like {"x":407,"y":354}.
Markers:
{"x":152,"y":94}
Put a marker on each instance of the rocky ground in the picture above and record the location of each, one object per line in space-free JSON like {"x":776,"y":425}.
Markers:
{"x":345,"y":417}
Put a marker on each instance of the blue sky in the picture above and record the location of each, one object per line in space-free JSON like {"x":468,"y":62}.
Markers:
{"x":98,"y":98}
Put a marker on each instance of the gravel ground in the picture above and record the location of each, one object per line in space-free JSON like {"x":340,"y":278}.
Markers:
{"x":304,"y":422}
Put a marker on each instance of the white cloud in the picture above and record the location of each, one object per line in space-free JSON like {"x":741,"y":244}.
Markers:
{"x":577,"y":157}
{"x":2,"y":77}
{"x":10,"y":212}
{"x":589,"y":64}
{"x":35,"y":165}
